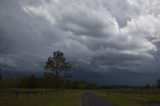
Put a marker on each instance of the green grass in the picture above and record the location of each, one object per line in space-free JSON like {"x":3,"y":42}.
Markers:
{"x":130,"y":98}
{"x":68,"y":98}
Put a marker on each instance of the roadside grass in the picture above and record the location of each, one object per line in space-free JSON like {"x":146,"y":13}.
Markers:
{"x":130,"y":99}
{"x":67,"y":98}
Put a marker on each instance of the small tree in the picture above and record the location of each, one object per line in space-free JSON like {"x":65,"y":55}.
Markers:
{"x":56,"y":65}
{"x":24,"y":82}
{"x":158,"y":83}
{"x":0,"y":74}
{"x":32,"y":82}
{"x":0,"y":78}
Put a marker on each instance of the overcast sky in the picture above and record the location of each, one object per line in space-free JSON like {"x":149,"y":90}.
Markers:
{"x":107,"y":41}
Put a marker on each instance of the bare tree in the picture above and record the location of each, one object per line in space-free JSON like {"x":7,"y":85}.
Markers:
{"x":57,"y":64}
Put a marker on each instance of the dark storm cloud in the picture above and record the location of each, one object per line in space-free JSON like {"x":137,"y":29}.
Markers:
{"x":97,"y":36}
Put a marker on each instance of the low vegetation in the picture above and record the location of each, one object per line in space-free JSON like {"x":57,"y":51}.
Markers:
{"x":51,"y":98}
{"x":131,"y":97}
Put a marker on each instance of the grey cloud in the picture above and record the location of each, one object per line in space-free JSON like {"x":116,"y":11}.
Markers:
{"x":97,"y":36}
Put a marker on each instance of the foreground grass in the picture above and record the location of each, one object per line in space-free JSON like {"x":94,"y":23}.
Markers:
{"x":68,"y":98}
{"x":132,"y":99}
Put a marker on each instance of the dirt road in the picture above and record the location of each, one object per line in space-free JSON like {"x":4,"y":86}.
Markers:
{"x":90,"y":99}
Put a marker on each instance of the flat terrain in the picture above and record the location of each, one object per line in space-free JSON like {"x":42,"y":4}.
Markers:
{"x":110,"y":97}
{"x":67,"y":98}
{"x":90,"y":99}
{"x":131,"y":97}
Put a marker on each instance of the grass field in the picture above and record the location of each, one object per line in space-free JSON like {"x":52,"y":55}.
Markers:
{"x":68,"y":98}
{"x":130,"y":97}
{"x":127,"y":97}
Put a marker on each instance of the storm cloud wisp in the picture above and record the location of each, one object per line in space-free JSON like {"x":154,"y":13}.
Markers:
{"x":97,"y":36}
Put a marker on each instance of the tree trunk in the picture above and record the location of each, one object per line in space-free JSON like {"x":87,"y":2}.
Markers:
{"x":56,"y":81}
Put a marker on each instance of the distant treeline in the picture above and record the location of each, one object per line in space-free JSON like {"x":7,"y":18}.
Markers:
{"x":147,"y":86}
{"x":48,"y":81}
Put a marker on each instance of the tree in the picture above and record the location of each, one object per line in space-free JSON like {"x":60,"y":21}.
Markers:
{"x":158,"y":83}
{"x":147,"y":86}
{"x":0,"y":74}
{"x":0,"y":77}
{"x":24,"y":82}
{"x":57,"y":64}
{"x":32,"y":82}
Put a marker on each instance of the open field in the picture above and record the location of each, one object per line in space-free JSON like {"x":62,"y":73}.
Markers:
{"x":130,"y":97}
{"x":67,"y":98}
{"x":44,"y":97}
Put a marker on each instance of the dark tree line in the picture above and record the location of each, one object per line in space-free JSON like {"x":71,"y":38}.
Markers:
{"x":47,"y":82}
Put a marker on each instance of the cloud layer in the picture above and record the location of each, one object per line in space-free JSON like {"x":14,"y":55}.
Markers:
{"x":95,"y":35}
